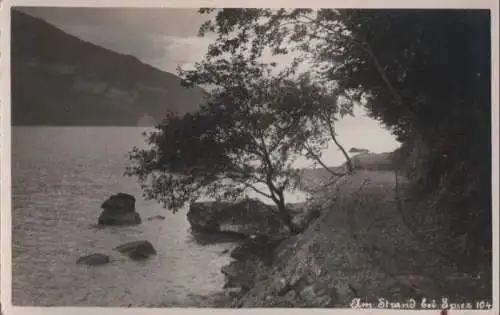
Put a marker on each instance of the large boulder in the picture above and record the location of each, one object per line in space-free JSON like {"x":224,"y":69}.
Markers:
{"x":119,"y":210}
{"x":94,"y":259}
{"x":246,"y":217}
{"x":137,"y":250}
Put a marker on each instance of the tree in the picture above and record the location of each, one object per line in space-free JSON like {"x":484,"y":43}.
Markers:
{"x":320,"y":127}
{"x":246,"y":136}
{"x":402,"y":61}
{"x":251,"y":31}
{"x":423,"y":73}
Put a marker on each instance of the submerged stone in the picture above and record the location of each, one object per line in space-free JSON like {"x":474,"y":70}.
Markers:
{"x":137,"y":250}
{"x":156,"y":217}
{"x":94,"y":259}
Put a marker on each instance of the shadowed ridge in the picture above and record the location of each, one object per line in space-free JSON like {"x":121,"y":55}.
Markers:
{"x":58,"y":79}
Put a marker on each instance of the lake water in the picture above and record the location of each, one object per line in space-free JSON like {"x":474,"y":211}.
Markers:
{"x":60,"y":177}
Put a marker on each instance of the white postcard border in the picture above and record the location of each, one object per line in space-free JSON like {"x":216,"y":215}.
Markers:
{"x":5,"y":144}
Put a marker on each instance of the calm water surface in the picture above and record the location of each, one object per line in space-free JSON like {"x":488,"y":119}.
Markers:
{"x":60,"y":177}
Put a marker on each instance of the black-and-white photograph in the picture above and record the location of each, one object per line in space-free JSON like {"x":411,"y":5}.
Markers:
{"x":252,"y":158}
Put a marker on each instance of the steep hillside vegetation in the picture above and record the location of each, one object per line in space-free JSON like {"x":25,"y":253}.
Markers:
{"x":58,"y":79}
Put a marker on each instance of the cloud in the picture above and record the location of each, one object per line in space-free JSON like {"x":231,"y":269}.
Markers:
{"x":163,"y":38}
{"x":183,"y":51}
{"x":180,"y":22}
{"x":162,"y":51}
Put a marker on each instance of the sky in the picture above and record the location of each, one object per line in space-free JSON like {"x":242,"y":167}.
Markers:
{"x":163,"y":38}
{"x":166,"y":38}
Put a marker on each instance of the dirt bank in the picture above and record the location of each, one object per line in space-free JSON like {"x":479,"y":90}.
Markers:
{"x":358,"y":248}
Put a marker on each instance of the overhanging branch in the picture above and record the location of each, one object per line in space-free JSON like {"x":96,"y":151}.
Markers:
{"x":333,"y":135}
{"x":254,"y":189}
{"x":364,"y":46}
{"x":318,"y":159}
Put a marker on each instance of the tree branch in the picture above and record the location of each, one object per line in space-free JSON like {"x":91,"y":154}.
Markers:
{"x":283,"y":134}
{"x":329,"y":123}
{"x":254,"y":189}
{"x":317,"y":158}
{"x":396,"y":96}
{"x":364,"y":46}
{"x":270,"y":169}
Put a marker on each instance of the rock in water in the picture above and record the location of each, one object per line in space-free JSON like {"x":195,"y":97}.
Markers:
{"x":121,"y":201}
{"x":109,"y":218}
{"x":246,"y":217}
{"x":137,"y":250}
{"x":94,"y":259}
{"x":119,"y":210}
{"x":156,"y":217}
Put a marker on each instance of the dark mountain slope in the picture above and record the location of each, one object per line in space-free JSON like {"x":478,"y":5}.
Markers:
{"x":58,"y":79}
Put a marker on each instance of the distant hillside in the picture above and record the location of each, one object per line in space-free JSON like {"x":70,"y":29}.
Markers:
{"x":58,"y":79}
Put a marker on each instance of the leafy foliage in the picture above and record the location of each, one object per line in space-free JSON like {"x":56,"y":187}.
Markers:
{"x":246,"y":136}
{"x":424,"y":74}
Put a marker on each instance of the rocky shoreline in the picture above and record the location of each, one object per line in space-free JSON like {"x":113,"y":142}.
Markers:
{"x":252,"y":261}
{"x":261,"y":238}
{"x":354,"y":244}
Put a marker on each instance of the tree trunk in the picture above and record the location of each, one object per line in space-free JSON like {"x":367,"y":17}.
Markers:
{"x":286,"y":217}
